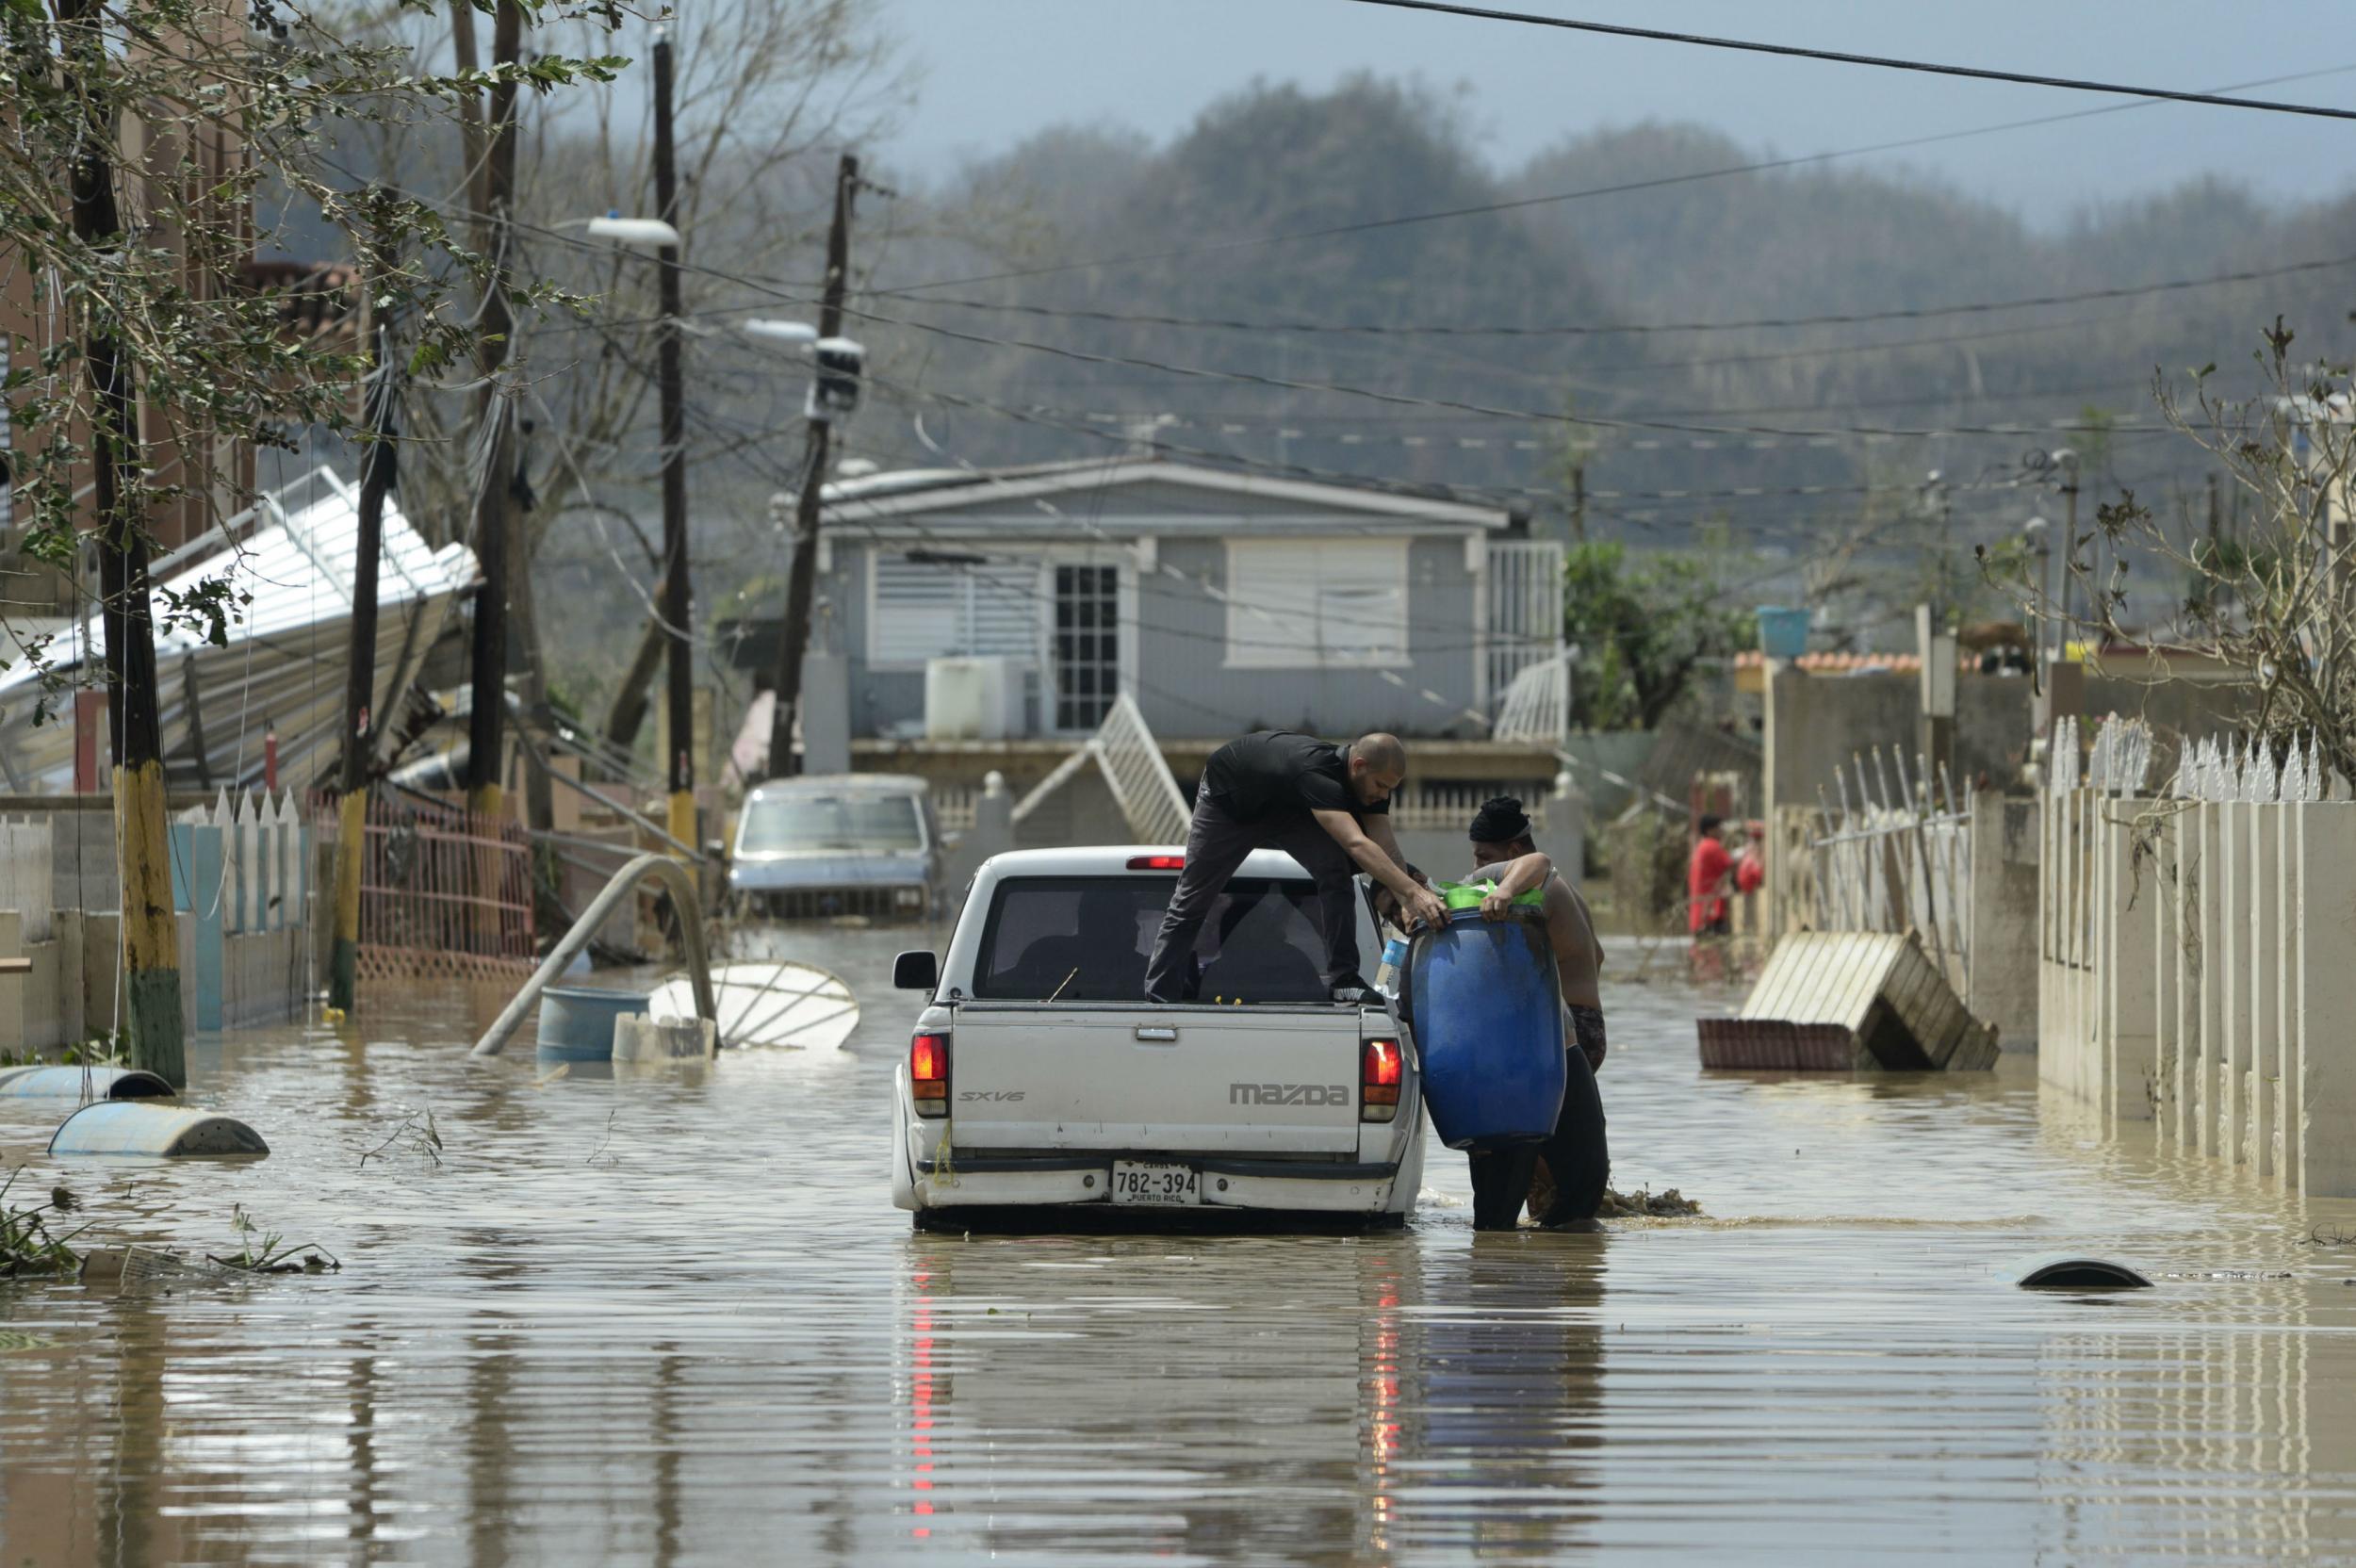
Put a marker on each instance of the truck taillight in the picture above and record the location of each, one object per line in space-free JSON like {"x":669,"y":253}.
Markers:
{"x":1381,"y":1067}
{"x":1157,"y":862}
{"x":928,"y":1073}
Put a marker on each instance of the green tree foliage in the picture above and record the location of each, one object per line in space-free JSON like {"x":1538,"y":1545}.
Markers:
{"x":187,"y":109}
{"x":1644,"y":625}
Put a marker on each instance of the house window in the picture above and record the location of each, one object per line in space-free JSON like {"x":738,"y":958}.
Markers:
{"x":1317,"y":604}
{"x":935,"y":609}
{"x":1087,"y":645}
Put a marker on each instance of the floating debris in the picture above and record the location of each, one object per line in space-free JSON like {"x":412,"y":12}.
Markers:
{"x":262,"y":1251}
{"x":2074,"y":1273}
{"x":27,"y":1246}
{"x":1645,"y":1204}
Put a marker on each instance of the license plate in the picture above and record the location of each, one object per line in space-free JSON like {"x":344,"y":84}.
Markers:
{"x":1157,"y":1186}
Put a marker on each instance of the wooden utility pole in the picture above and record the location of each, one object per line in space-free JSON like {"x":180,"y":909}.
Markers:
{"x":151,"y":938}
{"x":802,"y":579}
{"x":628,"y":708}
{"x":495,"y":441}
{"x":677,"y":601}
{"x":377,"y":468}
{"x":1578,"y":503}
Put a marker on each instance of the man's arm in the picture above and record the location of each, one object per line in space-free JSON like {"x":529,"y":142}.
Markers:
{"x":1519,"y":876}
{"x":1378,"y":827}
{"x":1418,"y":901}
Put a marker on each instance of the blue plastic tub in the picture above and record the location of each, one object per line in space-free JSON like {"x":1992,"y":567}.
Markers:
{"x":576,"y":1021}
{"x":1482,"y":998}
{"x":1783,"y":633}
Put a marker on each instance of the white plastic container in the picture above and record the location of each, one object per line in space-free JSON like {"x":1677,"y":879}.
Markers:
{"x":972,"y":700}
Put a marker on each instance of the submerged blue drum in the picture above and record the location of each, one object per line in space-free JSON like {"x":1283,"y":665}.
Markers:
{"x":1482,"y":1000}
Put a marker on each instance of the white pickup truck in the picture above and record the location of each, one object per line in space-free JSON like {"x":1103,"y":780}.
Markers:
{"x":1038,"y":1075}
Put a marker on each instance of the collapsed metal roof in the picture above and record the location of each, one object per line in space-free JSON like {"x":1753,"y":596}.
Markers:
{"x":295,"y":552}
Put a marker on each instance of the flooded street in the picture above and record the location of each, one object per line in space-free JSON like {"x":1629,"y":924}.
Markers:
{"x":678,"y":1321}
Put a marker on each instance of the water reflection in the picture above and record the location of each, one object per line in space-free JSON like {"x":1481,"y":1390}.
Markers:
{"x":671,"y":1320}
{"x":1504,"y":1396}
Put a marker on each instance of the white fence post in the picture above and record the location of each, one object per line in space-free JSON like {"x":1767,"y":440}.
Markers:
{"x":2326,"y":934}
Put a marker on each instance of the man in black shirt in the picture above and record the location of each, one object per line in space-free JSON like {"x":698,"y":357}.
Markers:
{"x":1326,"y":806}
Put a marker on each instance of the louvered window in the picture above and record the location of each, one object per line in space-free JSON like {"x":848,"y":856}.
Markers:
{"x":945,"y":609}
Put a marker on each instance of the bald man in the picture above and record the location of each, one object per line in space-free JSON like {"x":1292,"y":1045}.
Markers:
{"x":1326,"y":806}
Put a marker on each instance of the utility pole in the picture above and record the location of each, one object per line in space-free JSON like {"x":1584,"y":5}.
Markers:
{"x":377,"y":468}
{"x":677,"y":599}
{"x":494,"y":444}
{"x":1578,"y":503}
{"x":803,"y":578}
{"x":151,"y":936}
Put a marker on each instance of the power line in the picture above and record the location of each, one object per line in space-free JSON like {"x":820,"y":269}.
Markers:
{"x":1409,"y":400}
{"x":1633,"y":329}
{"x":1882,"y":62}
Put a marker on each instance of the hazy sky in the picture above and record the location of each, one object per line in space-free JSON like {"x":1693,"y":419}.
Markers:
{"x":995,"y":69}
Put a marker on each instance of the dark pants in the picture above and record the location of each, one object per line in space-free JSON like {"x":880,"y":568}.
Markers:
{"x":1216,"y":845}
{"x":1578,"y":1158}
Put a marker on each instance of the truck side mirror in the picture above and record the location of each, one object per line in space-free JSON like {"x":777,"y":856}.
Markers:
{"x":917,"y":971}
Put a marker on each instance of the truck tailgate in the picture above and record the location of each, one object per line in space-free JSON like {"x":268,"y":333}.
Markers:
{"x":1213,"y":1080}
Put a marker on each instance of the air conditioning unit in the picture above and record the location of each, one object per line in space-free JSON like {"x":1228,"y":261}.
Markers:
{"x":972,"y":699}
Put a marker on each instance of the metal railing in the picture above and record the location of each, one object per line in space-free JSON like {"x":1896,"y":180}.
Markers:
{"x":1895,"y":856}
{"x":443,"y":891}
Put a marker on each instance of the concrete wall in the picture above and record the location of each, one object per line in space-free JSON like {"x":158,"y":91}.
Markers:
{"x":2001,"y":988}
{"x":2194,"y":972}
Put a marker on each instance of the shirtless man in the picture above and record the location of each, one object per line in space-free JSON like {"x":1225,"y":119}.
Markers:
{"x":1563,"y":1178}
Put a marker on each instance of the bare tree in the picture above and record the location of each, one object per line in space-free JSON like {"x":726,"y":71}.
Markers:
{"x":2276,"y":605}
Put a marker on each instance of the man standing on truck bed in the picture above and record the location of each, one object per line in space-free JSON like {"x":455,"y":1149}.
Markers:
{"x":1563,"y":1178}
{"x":1326,"y":806}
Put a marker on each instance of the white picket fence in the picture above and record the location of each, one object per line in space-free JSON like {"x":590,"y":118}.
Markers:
{"x":265,"y":849}
{"x":2195,"y":949}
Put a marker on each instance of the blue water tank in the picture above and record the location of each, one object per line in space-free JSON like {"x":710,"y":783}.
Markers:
{"x":1487,"y":1013}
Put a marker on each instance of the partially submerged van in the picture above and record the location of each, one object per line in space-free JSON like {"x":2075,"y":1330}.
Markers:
{"x":837,"y":845}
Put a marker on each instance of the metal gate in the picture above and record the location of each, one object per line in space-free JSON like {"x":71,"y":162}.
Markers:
{"x":1525,"y":610}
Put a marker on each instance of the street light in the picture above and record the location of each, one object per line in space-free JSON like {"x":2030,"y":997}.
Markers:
{"x":649,"y":234}
{"x":661,"y":235}
{"x":798,"y":335}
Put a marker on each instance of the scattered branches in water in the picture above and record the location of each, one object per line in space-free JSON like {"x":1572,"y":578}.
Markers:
{"x":27,"y":1246}
{"x":2321,"y":1237}
{"x":264,"y":1252}
{"x":1642,"y":1204}
{"x":602,"y":1153}
{"x":419,"y":1136}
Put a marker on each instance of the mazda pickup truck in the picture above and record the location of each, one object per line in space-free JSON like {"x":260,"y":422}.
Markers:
{"x":1038,"y":1076}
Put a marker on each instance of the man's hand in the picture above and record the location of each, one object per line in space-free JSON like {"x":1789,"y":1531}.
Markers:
{"x":1425,"y":908}
{"x":1497,"y":904}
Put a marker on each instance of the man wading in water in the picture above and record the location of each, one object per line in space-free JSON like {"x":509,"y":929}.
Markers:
{"x":1326,"y":806}
{"x":1563,"y":1178}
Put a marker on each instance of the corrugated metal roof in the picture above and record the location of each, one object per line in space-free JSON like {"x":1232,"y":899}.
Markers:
{"x":295,"y":550}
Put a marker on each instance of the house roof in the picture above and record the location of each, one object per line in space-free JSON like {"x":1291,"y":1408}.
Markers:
{"x":880,"y":499}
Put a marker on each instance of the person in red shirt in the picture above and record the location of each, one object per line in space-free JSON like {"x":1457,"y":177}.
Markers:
{"x":1708,"y":877}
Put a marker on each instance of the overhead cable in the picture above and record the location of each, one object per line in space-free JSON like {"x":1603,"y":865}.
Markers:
{"x":1880,"y":62}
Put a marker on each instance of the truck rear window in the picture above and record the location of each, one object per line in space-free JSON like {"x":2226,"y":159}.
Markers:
{"x":1086,"y":938}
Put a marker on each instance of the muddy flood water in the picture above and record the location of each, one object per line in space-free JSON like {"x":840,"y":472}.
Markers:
{"x":676,"y":1320}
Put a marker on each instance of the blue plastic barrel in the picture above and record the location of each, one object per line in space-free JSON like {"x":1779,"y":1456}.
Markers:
{"x":1487,"y":1013}
{"x":576,"y":1021}
{"x":1783,"y":633}
{"x":72,"y":1082}
{"x":142,"y":1127}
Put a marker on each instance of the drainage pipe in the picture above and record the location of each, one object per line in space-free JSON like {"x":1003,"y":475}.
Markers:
{"x":681,"y":888}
